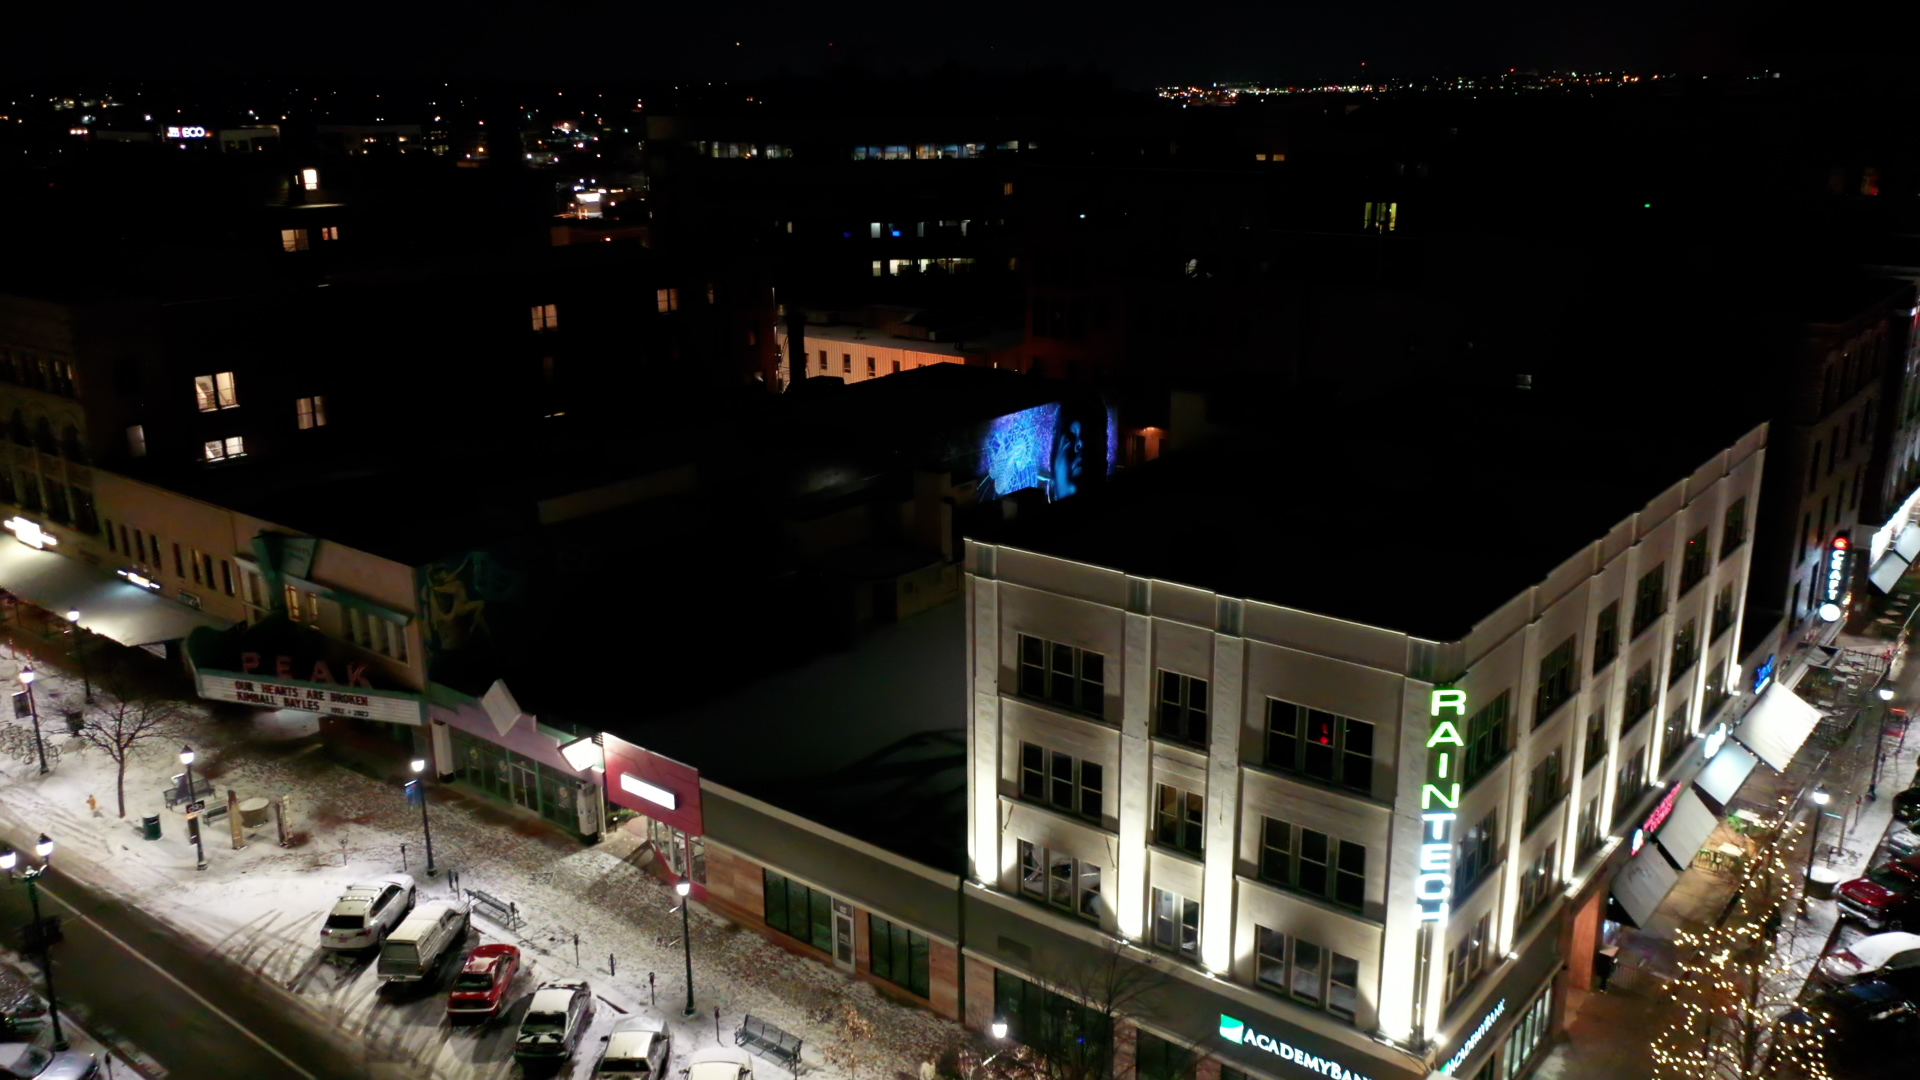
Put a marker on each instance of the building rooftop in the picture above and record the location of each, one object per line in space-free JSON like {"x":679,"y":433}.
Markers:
{"x":1420,"y":512}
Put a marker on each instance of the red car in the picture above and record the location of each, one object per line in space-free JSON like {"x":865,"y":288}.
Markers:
{"x":1907,"y":866}
{"x":482,"y":985}
{"x":1883,"y":900}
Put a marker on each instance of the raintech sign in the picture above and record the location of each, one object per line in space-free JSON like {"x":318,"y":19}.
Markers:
{"x":1439,"y":798}
{"x":1237,"y":1031}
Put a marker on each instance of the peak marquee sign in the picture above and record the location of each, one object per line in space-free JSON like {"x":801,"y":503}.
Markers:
{"x":1439,"y":803}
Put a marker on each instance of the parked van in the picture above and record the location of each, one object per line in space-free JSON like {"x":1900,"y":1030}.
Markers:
{"x":411,"y":952}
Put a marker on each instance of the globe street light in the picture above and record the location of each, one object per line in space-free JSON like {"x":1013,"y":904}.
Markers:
{"x":8,"y":859}
{"x":1820,"y":798}
{"x":1885,"y":692}
{"x":33,"y":709}
{"x":419,"y":773}
{"x":80,"y":652}
{"x":685,"y":889}
{"x":199,"y":846}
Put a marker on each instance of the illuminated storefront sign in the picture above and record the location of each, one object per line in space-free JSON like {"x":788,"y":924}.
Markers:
{"x":1715,"y":740}
{"x":1763,"y":674}
{"x":186,"y":133}
{"x":1661,"y":812}
{"x":139,"y":579}
{"x":1434,"y":887}
{"x":1839,"y":558}
{"x":1639,"y":841}
{"x":1473,"y":1040}
{"x":1237,"y":1032}
{"x":653,"y":793}
{"x":29,"y":533}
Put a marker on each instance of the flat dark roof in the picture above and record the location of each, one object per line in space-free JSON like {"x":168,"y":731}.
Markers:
{"x":1420,"y":512}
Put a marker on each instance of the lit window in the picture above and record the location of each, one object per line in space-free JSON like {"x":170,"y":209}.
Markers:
{"x":293,"y":239}
{"x":546,"y":316}
{"x":137,"y":441}
{"x":709,"y":292}
{"x":219,"y":391}
{"x":203,"y":393}
{"x":226,"y":389}
{"x":310,"y":179}
{"x":330,"y":232}
{"x":667,"y":299}
{"x":311,"y":411}
{"x":236,"y":446}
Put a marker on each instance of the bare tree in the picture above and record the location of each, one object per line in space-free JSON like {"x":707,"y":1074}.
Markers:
{"x":1066,"y":1025}
{"x":124,"y":717}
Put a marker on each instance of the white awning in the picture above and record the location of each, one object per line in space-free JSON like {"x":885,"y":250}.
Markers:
{"x":108,"y":605}
{"x":1642,"y":884}
{"x":1908,"y":544}
{"x":1776,"y":726}
{"x":1886,"y":573}
{"x":1722,"y":777}
{"x":1687,"y":828}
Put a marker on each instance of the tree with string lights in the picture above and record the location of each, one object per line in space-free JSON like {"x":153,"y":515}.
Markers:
{"x":1738,"y":986}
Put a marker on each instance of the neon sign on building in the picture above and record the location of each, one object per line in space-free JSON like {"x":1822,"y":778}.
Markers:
{"x":1439,"y":799}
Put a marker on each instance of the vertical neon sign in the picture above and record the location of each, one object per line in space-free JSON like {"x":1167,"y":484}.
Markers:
{"x":1439,"y":798}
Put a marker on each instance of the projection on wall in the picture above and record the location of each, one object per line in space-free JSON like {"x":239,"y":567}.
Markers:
{"x":1060,"y":447}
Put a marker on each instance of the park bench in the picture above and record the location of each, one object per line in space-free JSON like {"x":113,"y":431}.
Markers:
{"x":501,"y":911}
{"x":770,"y":1042}
{"x":178,"y":794}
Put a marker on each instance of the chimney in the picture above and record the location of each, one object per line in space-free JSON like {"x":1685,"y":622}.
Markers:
{"x":796,"y":348}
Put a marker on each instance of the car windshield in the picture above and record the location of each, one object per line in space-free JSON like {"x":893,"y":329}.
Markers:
{"x":630,"y":1065}
{"x":1885,"y":875}
{"x":474,"y":980}
{"x":31,"y":1062}
{"x":346,"y":922}
{"x":543,"y":1021}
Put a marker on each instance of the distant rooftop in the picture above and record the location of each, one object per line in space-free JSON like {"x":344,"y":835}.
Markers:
{"x":1422,"y":512}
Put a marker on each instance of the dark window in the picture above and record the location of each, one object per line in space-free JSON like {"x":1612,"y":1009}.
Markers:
{"x":1650,"y":599}
{"x":1479,"y":854}
{"x":898,"y":955}
{"x":1063,"y":675}
{"x":1308,"y":861}
{"x":1556,"y":681}
{"x":111,"y":545}
{"x":1155,"y":1058}
{"x":1723,"y":608}
{"x":797,"y":911}
{"x":1627,"y":785}
{"x":1048,"y":776}
{"x":1606,"y":636}
{"x":1486,"y":740}
{"x":1545,"y":785}
{"x":1537,"y":884}
{"x":1079,"y":1038}
{"x":1319,"y":744}
{"x":1686,"y":649}
{"x":1733,"y":531}
{"x":1639,"y":696}
{"x":1179,"y":819}
{"x":1469,"y":958}
{"x":1176,"y":924}
{"x":1183,"y":709}
{"x":1589,"y":827}
{"x":1694,"y":561}
{"x":1674,"y":736}
{"x":1596,"y":739}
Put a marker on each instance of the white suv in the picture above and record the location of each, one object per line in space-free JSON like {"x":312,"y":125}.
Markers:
{"x":367,"y":912}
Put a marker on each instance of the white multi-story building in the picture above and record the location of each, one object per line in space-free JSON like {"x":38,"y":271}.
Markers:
{"x":1225,"y":745}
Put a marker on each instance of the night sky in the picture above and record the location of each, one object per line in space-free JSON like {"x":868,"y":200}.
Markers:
{"x":1140,"y":46}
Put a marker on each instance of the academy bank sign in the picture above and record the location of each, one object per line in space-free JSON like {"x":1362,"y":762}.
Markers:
{"x":1237,"y":1031}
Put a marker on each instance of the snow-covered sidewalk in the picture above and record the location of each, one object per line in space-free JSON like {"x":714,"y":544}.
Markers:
{"x":262,"y":906}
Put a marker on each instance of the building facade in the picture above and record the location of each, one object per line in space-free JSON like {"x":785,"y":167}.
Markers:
{"x":1357,"y":846}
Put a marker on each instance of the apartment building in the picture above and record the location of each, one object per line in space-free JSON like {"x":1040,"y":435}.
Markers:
{"x":1334,"y":756}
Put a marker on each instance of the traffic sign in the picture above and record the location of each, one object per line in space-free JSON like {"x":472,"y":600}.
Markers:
{"x":196,"y":806}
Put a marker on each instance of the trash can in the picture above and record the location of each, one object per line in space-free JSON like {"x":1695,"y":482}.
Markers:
{"x":1821,"y":882}
{"x":150,"y":827}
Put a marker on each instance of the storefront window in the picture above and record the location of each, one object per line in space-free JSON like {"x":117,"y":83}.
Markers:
{"x":517,"y":779}
{"x":685,"y":856}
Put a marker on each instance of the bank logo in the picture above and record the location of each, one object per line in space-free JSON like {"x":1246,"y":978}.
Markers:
{"x":1237,"y":1032}
{"x":1232,"y":1030}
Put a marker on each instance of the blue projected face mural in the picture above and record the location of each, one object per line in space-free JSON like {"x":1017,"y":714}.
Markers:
{"x":1060,"y":447}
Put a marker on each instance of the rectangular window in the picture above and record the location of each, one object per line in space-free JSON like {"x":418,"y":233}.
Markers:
{"x":846,"y":363}
{"x":1686,"y":649}
{"x":872,"y":370}
{"x":1596,"y":739}
{"x":1733,"y":530}
{"x":226,"y":576}
{"x":1179,"y":819}
{"x":203,"y":393}
{"x":1650,"y":599}
{"x":1270,"y":965}
{"x":1545,"y":785}
{"x":1479,"y":854}
{"x":1183,"y":709}
{"x":1606,"y":636}
{"x":1723,"y":609}
{"x":797,"y":911}
{"x":1154,"y":1058}
{"x":153,"y":545}
{"x":111,"y":546}
{"x":1674,"y":735}
{"x":179,"y":568}
{"x":1176,"y":924}
{"x":330,"y":232}
{"x":1556,"y":681}
{"x":1319,"y":744}
{"x":1589,"y":835}
{"x":293,"y":239}
{"x":823,"y":359}
{"x":546,"y":316}
{"x":235,"y":446}
{"x":1695,"y":561}
{"x":1051,"y":777}
{"x":1639,"y":696}
{"x":1276,"y":851}
{"x":1628,"y":784}
{"x":1537,"y":885}
{"x":137,"y":441}
{"x":666,"y":299}
{"x":896,"y":367}
{"x":310,"y":412}
{"x":1468,"y":959}
{"x":899,"y":955}
{"x":1060,"y":881}
{"x":1062,"y":675}
{"x":1308,"y":861}
{"x":1486,"y":740}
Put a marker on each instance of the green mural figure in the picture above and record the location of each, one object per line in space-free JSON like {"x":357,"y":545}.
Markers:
{"x":456,"y":619}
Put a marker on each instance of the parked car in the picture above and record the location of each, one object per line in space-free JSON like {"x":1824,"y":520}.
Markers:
{"x":1864,"y":1008}
{"x":720,"y":1063}
{"x":640,"y":1048}
{"x":1903,"y":841}
{"x":1875,"y":957}
{"x":1906,"y":805}
{"x":413,"y":952}
{"x":556,"y":1019}
{"x":1907,"y":866}
{"x":366,"y":913}
{"x":1883,"y":900}
{"x":482,"y":984}
{"x":24,"y":1061}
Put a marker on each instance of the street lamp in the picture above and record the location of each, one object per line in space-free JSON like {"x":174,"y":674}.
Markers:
{"x":999,"y":1029}
{"x":1820,"y":798}
{"x":685,"y":889}
{"x":33,"y":708}
{"x":199,"y":845}
{"x":1885,"y":692}
{"x":80,"y":652}
{"x":419,"y":772}
{"x":8,"y":858}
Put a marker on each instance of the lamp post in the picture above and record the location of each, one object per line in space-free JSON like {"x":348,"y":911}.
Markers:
{"x":33,"y":709}
{"x":420,"y":777}
{"x":685,"y":889}
{"x":199,"y":845}
{"x":1820,"y":798}
{"x":30,"y":875}
{"x":80,"y":652}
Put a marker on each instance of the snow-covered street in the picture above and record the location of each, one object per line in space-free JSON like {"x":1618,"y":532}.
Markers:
{"x":262,"y":906}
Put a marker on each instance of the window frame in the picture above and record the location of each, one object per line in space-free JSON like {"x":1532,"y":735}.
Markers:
{"x":1606,"y":636}
{"x":1559,"y":679}
{"x":1344,"y":764}
{"x":1076,"y":675}
{"x":1180,"y":718}
{"x":1179,"y":819}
